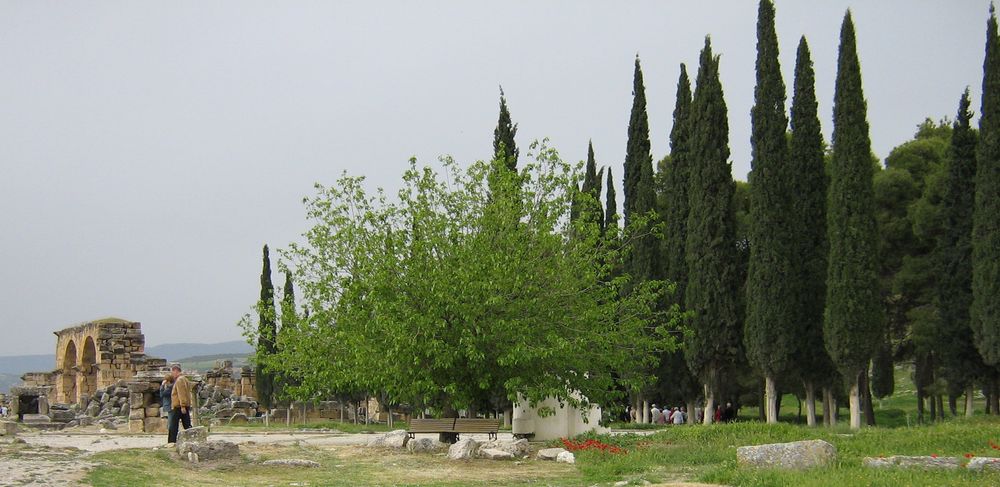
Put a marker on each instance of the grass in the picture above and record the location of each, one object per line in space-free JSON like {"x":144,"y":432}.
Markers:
{"x":346,"y":466}
{"x":707,"y":453}
{"x":684,"y":453}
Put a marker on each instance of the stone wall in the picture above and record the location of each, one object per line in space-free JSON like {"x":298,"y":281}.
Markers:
{"x":92,"y":356}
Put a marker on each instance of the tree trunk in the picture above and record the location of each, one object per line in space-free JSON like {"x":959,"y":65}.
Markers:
{"x":995,"y":396}
{"x":508,"y":413}
{"x":953,"y":404}
{"x":690,"y":412}
{"x":799,"y":416}
{"x":810,"y":404}
{"x":855,"y":402}
{"x":771,"y":396}
{"x":940,"y":403}
{"x":762,"y":410}
{"x":969,"y":401}
{"x":920,"y":406}
{"x":645,"y":412}
{"x":866,"y":398}
{"x":709,"y":405}
{"x":933,"y":402}
{"x":828,"y":407}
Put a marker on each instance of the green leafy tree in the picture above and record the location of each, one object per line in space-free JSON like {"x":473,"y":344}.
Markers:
{"x":986,"y":225}
{"x":712,"y":295}
{"x":960,"y":361}
{"x":807,"y":224}
{"x":770,"y":333}
{"x":449,"y":293}
{"x":853,"y":322}
{"x":266,"y":335}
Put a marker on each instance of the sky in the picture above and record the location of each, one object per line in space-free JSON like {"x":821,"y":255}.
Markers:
{"x":148,"y":150}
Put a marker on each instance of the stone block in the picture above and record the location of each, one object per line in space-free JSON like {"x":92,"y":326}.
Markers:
{"x":137,"y":413}
{"x":979,"y":464}
{"x":36,"y":418}
{"x":290,"y":462}
{"x":62,"y":415}
{"x":464,"y":449}
{"x":210,"y":450}
{"x":415,"y":445}
{"x":9,"y":428}
{"x":494,"y":454}
{"x":566,"y":457}
{"x":549,"y":453}
{"x":135,"y":400}
{"x":155,"y":425}
{"x":794,"y":455}
{"x":153,"y":412}
{"x":238,"y":418}
{"x":196,"y":434}
{"x":392,"y":439}
{"x":920,"y":462}
{"x":136,"y":426}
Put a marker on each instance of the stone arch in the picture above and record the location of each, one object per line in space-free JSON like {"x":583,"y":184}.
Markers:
{"x":87,"y":380}
{"x":68,"y":391}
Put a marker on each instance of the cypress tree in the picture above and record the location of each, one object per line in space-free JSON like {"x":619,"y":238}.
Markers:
{"x":638,"y":160}
{"x":610,"y":206}
{"x":713,"y":288}
{"x":853,"y":322}
{"x":807,"y":228}
{"x":986,"y":225}
{"x":640,"y":197}
{"x":675,"y":197}
{"x":288,"y":315}
{"x":960,"y":360}
{"x":590,"y":206}
{"x":769,"y":333}
{"x":504,"y":147}
{"x":266,"y":334}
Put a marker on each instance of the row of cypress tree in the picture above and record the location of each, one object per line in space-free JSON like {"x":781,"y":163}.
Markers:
{"x":809,"y":309}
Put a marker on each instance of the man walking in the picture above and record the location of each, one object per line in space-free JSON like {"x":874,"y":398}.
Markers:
{"x":180,"y":402}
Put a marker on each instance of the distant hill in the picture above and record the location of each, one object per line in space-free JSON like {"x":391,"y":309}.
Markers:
{"x":202,"y":363}
{"x":177,"y":351}
{"x":20,"y":364}
{"x":12,"y":367}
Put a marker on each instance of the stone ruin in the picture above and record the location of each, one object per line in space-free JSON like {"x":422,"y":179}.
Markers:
{"x":226,"y":396}
{"x":96,"y":364}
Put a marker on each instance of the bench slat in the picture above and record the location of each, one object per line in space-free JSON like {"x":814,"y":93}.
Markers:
{"x":431,"y":425}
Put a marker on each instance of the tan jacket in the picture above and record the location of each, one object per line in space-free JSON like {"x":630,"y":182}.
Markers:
{"x":181,"y":395}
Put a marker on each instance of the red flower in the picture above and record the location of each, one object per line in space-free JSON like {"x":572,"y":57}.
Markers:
{"x":969,"y":455}
{"x":933,"y":455}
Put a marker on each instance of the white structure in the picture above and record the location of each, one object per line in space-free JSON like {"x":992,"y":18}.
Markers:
{"x":548,"y":420}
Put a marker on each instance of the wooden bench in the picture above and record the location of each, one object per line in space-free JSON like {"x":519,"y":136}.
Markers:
{"x":446,"y":425}
{"x":454,"y":425}
{"x":475,"y":425}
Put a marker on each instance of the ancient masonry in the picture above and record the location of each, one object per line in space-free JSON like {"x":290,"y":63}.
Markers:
{"x":100,"y":366}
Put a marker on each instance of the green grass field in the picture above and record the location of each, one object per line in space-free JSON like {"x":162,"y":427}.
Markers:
{"x":670,"y":454}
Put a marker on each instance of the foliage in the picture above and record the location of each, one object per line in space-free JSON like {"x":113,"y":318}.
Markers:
{"x":640,"y":199}
{"x":808,"y":221}
{"x":770,"y":332}
{"x":712,"y":293}
{"x":454,"y":292}
{"x":853,"y":323}
{"x":267,"y":335}
{"x":960,"y":360}
{"x":986,"y":225}
{"x":504,"y":147}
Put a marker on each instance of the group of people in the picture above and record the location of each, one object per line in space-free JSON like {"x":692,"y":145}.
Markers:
{"x":175,"y":402}
{"x":679,"y":415}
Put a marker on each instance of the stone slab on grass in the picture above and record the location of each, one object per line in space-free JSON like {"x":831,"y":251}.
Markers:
{"x":980,"y":464}
{"x":291,"y":462}
{"x":921,"y":462}
{"x":794,"y":455}
{"x":549,"y":453}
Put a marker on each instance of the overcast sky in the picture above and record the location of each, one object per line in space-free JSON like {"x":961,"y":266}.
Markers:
{"x":149,"y":149}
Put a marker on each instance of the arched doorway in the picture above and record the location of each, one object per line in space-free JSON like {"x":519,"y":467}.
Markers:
{"x":68,"y":392}
{"x":88,"y":369}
